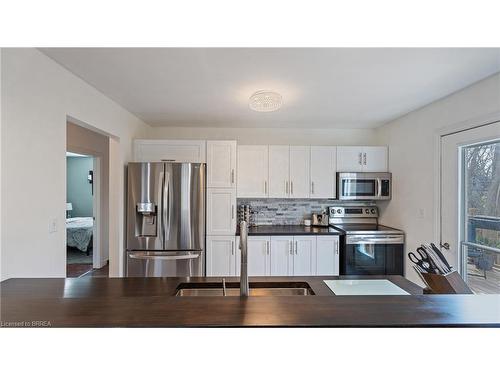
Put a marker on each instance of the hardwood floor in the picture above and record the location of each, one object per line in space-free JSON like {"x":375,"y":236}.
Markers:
{"x":86,"y":270}
{"x":77,"y":269}
{"x":98,"y":272}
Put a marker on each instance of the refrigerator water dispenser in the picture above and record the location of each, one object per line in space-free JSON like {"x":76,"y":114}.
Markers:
{"x":146,"y":220}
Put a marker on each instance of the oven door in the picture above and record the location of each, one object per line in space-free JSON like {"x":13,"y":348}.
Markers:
{"x":373,"y":255}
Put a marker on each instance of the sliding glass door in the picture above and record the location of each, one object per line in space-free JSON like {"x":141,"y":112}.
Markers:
{"x":470,"y":205}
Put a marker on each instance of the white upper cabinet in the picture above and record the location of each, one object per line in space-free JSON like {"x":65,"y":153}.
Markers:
{"x":221,"y":211}
{"x":221,"y":256}
{"x":169,"y":150}
{"x":362,"y":159}
{"x":221,"y":164}
{"x":304,"y":257}
{"x":252,"y":171}
{"x":281,"y":256}
{"x":327,"y":255}
{"x":279,"y":171}
{"x":349,"y":159}
{"x":323,"y":171}
{"x":375,"y":159}
{"x":300,"y":160}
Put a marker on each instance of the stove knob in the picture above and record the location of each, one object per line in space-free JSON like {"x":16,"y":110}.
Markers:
{"x":367,"y":211}
{"x":373,"y":211}
{"x":339,"y":211}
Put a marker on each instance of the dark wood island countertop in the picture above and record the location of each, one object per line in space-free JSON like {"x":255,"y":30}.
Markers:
{"x":150,"y":302}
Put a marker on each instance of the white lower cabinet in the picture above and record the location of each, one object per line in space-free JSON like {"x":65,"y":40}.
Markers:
{"x":290,"y":256}
{"x":221,"y":256}
{"x":327,"y":256}
{"x":304,"y":255}
{"x":281,"y":256}
{"x":259,"y":256}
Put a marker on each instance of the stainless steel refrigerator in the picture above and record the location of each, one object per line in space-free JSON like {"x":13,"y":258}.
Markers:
{"x":166,"y":219}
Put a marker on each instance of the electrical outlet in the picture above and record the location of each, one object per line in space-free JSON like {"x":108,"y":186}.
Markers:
{"x":53,"y":226}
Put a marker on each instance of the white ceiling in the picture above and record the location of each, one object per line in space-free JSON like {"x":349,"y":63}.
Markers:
{"x":321,"y":87}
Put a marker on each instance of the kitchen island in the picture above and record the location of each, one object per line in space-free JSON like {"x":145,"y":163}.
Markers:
{"x":152,"y":302}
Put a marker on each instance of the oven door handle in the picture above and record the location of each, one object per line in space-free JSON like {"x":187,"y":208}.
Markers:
{"x":374,"y":240}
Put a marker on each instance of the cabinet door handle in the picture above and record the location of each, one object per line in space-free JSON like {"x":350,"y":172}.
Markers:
{"x":337,"y":247}
{"x":232,"y":176}
{"x":360,"y":161}
{"x":290,"y":246}
{"x":312,"y":187}
{"x":291,"y":187}
{"x":296,"y":247}
{"x":286,"y":187}
{"x":232,"y":247}
{"x":265,"y":187}
{"x":267,"y":247}
{"x":232,"y":212}
{"x":364,"y":158}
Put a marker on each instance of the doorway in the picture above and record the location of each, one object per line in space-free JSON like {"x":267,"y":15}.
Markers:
{"x":470,"y":205}
{"x":82,"y":214}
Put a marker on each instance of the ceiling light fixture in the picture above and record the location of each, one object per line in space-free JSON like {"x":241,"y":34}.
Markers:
{"x":265,"y":101}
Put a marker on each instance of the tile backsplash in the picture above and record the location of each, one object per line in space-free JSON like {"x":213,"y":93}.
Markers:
{"x":277,"y":211}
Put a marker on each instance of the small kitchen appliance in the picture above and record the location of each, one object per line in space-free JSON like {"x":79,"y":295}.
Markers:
{"x":320,"y":220}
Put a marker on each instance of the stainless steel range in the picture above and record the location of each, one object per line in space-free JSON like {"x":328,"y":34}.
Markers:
{"x":367,"y":248}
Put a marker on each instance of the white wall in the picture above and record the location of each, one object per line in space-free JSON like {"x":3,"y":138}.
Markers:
{"x":37,"y":97}
{"x":248,"y":136}
{"x":413,"y":158}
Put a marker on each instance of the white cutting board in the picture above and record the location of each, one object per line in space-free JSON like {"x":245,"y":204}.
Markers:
{"x":379,"y":287}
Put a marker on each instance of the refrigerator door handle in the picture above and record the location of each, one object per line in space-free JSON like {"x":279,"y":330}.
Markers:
{"x":165,"y":257}
{"x":166,"y":206}
{"x":162,"y":205}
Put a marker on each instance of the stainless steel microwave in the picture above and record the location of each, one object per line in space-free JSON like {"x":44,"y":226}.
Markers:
{"x":364,"y":186}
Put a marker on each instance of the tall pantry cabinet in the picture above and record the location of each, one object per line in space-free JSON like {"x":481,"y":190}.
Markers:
{"x":221,"y":207}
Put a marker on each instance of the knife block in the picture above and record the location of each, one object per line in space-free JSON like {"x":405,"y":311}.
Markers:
{"x":451,"y":283}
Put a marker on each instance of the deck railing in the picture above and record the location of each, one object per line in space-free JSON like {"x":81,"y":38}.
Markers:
{"x":484,"y":255}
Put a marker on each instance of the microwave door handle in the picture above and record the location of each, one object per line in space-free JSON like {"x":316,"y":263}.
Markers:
{"x":379,"y":187}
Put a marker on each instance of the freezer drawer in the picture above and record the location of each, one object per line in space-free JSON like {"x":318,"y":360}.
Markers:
{"x":165,"y":263}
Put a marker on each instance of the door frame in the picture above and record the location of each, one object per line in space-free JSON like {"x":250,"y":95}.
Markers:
{"x":97,"y":258}
{"x":469,"y":124}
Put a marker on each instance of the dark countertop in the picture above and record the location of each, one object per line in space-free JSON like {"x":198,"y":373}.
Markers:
{"x":290,"y":230}
{"x":150,"y":302}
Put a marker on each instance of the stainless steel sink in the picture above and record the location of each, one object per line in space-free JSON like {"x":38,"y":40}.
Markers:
{"x":232,"y":289}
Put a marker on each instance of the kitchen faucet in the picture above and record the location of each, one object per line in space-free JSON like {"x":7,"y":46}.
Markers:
{"x":244,"y":288}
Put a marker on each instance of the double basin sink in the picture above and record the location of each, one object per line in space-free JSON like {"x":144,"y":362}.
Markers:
{"x":257,"y":289}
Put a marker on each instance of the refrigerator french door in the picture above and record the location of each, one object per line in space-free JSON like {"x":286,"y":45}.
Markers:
{"x":166,"y":219}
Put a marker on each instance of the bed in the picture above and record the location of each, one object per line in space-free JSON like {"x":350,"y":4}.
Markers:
{"x":79,"y":233}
